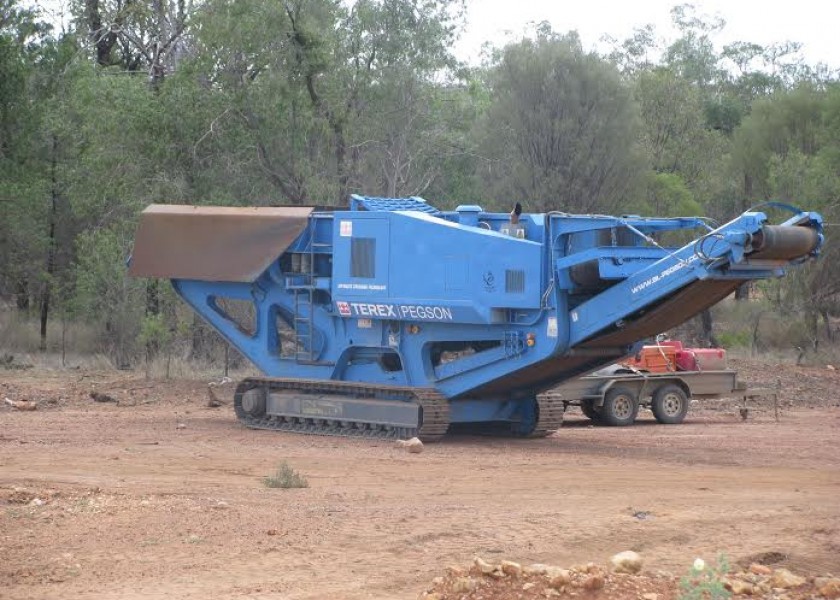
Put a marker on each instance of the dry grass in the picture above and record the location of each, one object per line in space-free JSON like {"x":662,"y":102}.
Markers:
{"x":286,"y":477}
{"x":22,"y":334}
{"x":180,"y":367}
{"x":74,"y":345}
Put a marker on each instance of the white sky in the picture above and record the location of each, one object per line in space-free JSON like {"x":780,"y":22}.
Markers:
{"x":814,"y":23}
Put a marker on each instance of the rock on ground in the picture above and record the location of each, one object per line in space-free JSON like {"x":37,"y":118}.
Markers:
{"x":627,"y":562}
{"x":828,"y":587}
{"x":21,"y":404}
{"x":485,"y":567}
{"x":511,"y":568}
{"x":412,"y":446}
{"x":782,"y":578}
{"x":506,"y":579}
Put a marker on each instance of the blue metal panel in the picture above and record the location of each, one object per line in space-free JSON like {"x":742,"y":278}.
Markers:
{"x":427,"y":244}
{"x":353,"y":228}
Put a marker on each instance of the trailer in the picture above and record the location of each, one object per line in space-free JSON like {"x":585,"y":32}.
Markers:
{"x":613,"y":396}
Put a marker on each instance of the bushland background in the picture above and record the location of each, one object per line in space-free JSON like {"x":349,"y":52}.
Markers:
{"x":276,"y":102}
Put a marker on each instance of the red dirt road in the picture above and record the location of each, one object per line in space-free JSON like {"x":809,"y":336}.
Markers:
{"x":137,"y":508}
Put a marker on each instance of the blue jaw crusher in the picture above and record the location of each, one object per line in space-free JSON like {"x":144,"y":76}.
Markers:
{"x":395,"y":319}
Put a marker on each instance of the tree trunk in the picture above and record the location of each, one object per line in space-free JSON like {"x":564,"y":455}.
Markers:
{"x":756,"y":325}
{"x":829,"y":335}
{"x":341,"y":162}
{"x":64,"y":338}
{"x":198,"y":341}
{"x":50,"y":267}
{"x":152,"y":297}
{"x":103,"y":39}
{"x":708,"y":328}
{"x":156,"y":68}
{"x":812,"y":320}
{"x":743,"y":291}
{"x":45,"y":311}
{"x":22,"y":295}
{"x":748,"y":191}
{"x":152,"y":308}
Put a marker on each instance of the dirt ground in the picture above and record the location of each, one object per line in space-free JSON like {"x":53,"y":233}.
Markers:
{"x":115,"y":500}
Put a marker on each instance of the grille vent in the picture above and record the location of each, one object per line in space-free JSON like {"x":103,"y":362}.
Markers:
{"x":514,"y":281}
{"x":362,"y":257}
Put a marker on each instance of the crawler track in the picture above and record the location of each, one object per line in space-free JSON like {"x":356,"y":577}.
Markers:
{"x":550,"y":409}
{"x":550,"y":415}
{"x":434,"y":415}
{"x":434,"y":411}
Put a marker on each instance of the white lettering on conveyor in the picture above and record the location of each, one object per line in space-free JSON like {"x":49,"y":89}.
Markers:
{"x":665,"y":273}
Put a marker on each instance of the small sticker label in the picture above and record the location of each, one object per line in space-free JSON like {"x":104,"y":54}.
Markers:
{"x":551,"y":330}
{"x":365,"y":323}
{"x":345,"y":229}
{"x":574,"y":316}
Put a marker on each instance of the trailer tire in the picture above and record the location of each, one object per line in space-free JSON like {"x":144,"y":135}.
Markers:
{"x":621,"y":406}
{"x":587,"y":407}
{"x":669,"y":404}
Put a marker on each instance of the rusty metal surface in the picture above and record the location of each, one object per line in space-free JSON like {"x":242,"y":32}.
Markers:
{"x":213,"y":243}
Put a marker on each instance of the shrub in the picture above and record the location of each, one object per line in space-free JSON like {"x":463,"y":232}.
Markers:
{"x":734,"y":339}
{"x":705,"y":581}
{"x":286,"y":477}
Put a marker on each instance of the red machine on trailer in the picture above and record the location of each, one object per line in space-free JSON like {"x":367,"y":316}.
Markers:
{"x":664,"y":377}
{"x":670,"y":356}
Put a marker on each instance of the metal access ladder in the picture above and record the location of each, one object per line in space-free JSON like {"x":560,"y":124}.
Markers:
{"x":304,"y":304}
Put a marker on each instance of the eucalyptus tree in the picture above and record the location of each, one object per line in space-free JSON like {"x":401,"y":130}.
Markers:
{"x":308,"y":82}
{"x":136,"y":35}
{"x":562,"y":128}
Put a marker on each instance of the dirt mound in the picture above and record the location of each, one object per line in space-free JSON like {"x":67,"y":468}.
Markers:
{"x":799,"y":386}
{"x":507,"y":579}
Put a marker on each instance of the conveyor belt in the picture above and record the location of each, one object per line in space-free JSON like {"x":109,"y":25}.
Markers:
{"x":775,"y":242}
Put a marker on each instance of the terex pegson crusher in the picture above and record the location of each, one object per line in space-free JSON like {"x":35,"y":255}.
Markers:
{"x":395,"y":319}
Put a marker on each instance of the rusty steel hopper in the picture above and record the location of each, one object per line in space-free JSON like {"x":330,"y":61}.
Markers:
{"x":213,"y":243}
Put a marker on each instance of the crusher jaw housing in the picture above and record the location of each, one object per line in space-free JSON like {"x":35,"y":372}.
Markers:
{"x":395,"y":319}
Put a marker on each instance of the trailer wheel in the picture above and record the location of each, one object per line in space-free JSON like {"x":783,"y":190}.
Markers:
{"x":669,"y":404}
{"x":588,"y":409}
{"x":620,"y":407}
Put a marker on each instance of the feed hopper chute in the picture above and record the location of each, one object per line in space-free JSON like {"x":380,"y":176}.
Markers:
{"x":394,"y":319}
